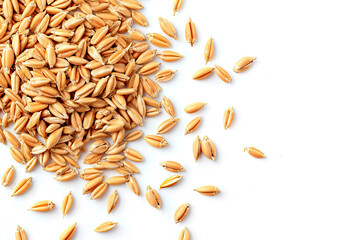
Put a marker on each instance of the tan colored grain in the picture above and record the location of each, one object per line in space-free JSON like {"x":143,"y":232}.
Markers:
{"x":112,"y":202}
{"x":153,"y":197}
{"x":92,"y":184}
{"x":139,"y":18}
{"x":168,"y":106}
{"x":167,"y":125}
{"x":152,"y":112}
{"x":12,"y":139}
{"x":133,"y":155}
{"x":158,"y":40}
{"x":130,"y":166}
{"x":67,"y":204}
{"x":17,"y":155}
{"x":203,"y":73}
{"x":228,"y":117}
{"x":172,"y":166}
{"x":131,"y":4}
{"x":197,"y":148}
{"x":177,"y":5}
{"x":156,"y":141}
{"x":209,"y":50}
{"x":171,"y":181}
{"x":169,"y":56}
{"x":222,"y":74}
{"x":208,"y":190}
{"x":243,"y":64}
{"x":184,"y":234}
{"x":193,"y":125}
{"x":190,"y":32}
{"x":194,"y":107}
{"x":68,"y":233}
{"x":208,"y":148}
{"x":99,"y":190}
{"x":146,"y":56}
{"x":132,"y":183}
{"x":42,"y":206}
{"x":181,"y":212}
{"x":8,"y":176}
{"x":90,"y":173}
{"x":134,"y":135}
{"x":106,"y":226}
{"x":30,"y":165}
{"x":167,"y":27}
{"x":20,"y":234}
{"x":22,"y":186}
{"x":117,"y":180}
{"x":256,"y":153}
{"x":149,"y":68}
{"x":165,"y":75}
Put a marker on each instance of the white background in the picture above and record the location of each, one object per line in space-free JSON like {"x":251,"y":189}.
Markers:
{"x":298,"y":103}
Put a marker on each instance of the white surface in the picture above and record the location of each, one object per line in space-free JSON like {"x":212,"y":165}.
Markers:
{"x":298,"y":103}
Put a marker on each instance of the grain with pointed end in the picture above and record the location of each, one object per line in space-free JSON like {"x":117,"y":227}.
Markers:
{"x":168,"y":106}
{"x":106,"y":226}
{"x":22,"y":186}
{"x":139,"y":18}
{"x":42,"y":206}
{"x":177,"y":5}
{"x":228,"y":117}
{"x":20,"y":234}
{"x":256,"y":153}
{"x":194,"y":107}
{"x":167,"y":125}
{"x":172,"y":166}
{"x":243,"y":64}
{"x":197,"y":148}
{"x":171,"y":181}
{"x":193,"y":125}
{"x":153,"y":197}
{"x":150,"y":68}
{"x":11,"y":138}
{"x":8,"y":176}
{"x":30,"y":165}
{"x":208,"y":190}
{"x":92,"y":184}
{"x":146,"y":56}
{"x":54,"y":138}
{"x":67,"y":204}
{"x":131,"y":4}
{"x":117,"y":180}
{"x":167,"y":27}
{"x":17,"y":155}
{"x":133,"y":185}
{"x":99,"y":191}
{"x":68,"y":233}
{"x":222,"y":74}
{"x":134,"y":135}
{"x":112,"y":202}
{"x":209,"y":50}
{"x":184,"y":234}
{"x":203,"y":73}
{"x":169,"y":56}
{"x":133,"y":155}
{"x":165,"y":75}
{"x":181,"y":212}
{"x":158,"y":40}
{"x":156,"y":141}
{"x":190,"y":32}
{"x":208,"y":148}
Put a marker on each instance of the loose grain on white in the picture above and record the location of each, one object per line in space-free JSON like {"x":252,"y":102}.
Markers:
{"x":298,"y":103}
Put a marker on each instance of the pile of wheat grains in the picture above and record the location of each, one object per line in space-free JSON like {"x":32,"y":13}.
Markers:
{"x":75,"y":72}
